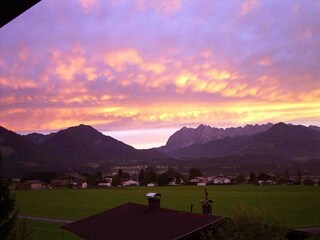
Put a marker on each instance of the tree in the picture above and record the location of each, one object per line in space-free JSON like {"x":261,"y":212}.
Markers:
{"x":252,"y":178}
{"x":141,"y":176}
{"x":120,"y":173}
{"x":194,"y":172}
{"x":171,"y":172}
{"x":308,"y":181}
{"x":123,"y":174}
{"x":178,"y":178}
{"x":163,"y":179}
{"x":299,"y":177}
{"x":7,"y":211}
{"x":241,"y":178}
{"x":287,"y":175}
{"x":93,"y":179}
{"x":116,"y":180}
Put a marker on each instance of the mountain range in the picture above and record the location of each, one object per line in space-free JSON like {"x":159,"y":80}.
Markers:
{"x":81,"y":147}
{"x":290,"y":141}
{"x":84,"y":148}
{"x":186,"y":137}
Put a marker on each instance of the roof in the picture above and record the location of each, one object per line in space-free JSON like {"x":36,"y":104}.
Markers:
{"x":226,"y":177}
{"x":34,"y":182}
{"x":77,"y":176}
{"x":71,"y":176}
{"x":10,"y":9}
{"x":270,"y":174}
{"x":306,"y":231}
{"x":134,"y":221}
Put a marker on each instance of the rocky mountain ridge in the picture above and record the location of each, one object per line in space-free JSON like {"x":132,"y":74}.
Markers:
{"x":290,"y":141}
{"x":186,"y":137}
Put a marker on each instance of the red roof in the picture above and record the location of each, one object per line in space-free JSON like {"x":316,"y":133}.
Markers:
{"x":134,"y":221}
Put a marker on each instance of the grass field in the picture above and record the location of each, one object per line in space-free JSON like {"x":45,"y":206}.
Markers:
{"x":294,"y":206}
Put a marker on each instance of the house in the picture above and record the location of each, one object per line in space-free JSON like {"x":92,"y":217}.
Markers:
{"x":32,"y":185}
{"x":74,"y":180}
{"x":304,"y":233}
{"x":136,"y":221}
{"x":104,"y":184}
{"x":201,"y":184}
{"x":200,"y":181}
{"x":267,"y":178}
{"x":130,"y":183}
{"x":152,"y":184}
{"x":221,"y":180}
{"x":62,"y":180}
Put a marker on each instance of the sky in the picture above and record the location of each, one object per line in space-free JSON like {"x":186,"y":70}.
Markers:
{"x":139,"y":70}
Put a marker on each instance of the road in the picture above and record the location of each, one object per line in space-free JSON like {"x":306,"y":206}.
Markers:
{"x":45,"y":219}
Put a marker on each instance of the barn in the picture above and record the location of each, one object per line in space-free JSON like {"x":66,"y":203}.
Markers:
{"x":32,"y":185}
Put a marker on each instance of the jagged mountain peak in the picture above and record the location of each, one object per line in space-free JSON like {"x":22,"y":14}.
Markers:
{"x":286,"y":140}
{"x":186,"y":137}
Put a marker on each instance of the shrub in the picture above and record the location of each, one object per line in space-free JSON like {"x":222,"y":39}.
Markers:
{"x":246,"y":224}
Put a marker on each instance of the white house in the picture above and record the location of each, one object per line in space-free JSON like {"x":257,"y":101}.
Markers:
{"x":152,"y":184}
{"x":201,"y":184}
{"x":130,"y":183}
{"x":221,"y":180}
{"x":104,"y":184}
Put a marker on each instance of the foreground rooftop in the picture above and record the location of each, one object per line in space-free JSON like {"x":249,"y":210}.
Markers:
{"x":136,"y":221}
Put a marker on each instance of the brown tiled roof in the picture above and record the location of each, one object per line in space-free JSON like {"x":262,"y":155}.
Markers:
{"x":134,"y":221}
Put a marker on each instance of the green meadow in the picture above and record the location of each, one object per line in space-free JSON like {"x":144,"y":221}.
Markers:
{"x":293,"y":206}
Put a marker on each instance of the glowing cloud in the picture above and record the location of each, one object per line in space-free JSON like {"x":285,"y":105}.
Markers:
{"x":126,"y":66}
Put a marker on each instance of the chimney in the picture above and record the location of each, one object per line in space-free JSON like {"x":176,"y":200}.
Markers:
{"x":206,"y":205}
{"x":153,"y":201}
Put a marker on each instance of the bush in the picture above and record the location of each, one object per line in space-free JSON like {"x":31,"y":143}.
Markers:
{"x":246,"y":224}
{"x":308,"y":182}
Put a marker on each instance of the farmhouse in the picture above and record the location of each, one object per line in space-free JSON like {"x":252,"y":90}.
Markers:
{"x":104,"y":184}
{"x":267,"y":178}
{"x":130,"y":183}
{"x":221,"y":180}
{"x":70,"y":180}
{"x":136,"y":221}
{"x":152,"y":184}
{"x":32,"y":185}
{"x":200,"y":181}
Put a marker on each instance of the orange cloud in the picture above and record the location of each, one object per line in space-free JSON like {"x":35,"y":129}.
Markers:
{"x":312,"y":96}
{"x":155,"y":114}
{"x":120,"y":59}
{"x":69,"y":66}
{"x":16,"y":83}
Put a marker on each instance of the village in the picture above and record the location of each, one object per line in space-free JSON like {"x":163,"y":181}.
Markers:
{"x":155,"y":176}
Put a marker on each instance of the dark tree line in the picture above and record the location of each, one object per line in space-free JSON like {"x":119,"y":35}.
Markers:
{"x":149,"y":175}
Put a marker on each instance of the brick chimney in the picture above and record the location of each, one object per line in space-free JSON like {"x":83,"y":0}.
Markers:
{"x":153,"y":201}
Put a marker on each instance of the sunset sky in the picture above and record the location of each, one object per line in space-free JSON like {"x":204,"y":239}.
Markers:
{"x":138,"y":70}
